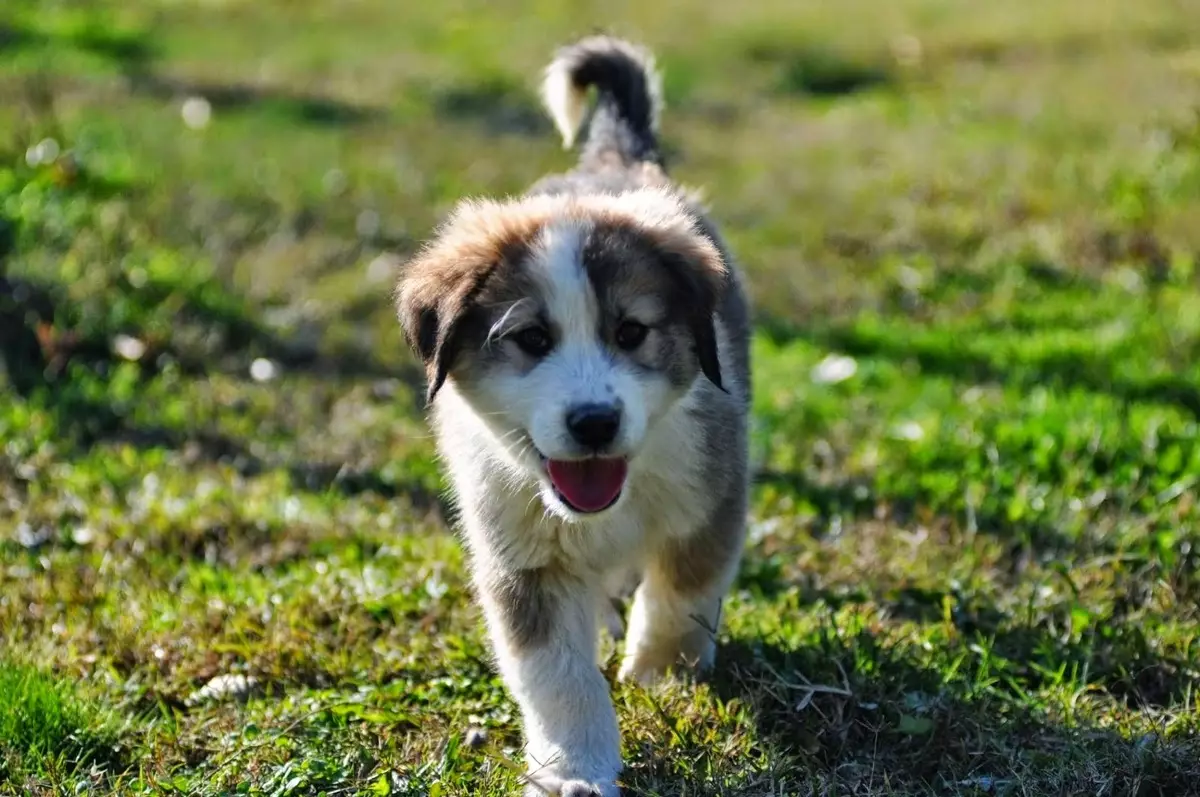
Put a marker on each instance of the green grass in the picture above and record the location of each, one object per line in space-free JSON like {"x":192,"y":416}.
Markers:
{"x":974,"y":565}
{"x":47,"y":728}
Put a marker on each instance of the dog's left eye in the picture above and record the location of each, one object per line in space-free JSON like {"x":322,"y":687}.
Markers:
{"x":630,"y":334}
{"x":534,"y":341}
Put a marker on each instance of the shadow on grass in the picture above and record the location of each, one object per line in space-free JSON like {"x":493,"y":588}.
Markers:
{"x":206,"y":446}
{"x":858,"y":501}
{"x":1114,"y":651}
{"x":863,"y":715}
{"x":311,"y":109}
{"x":952,"y":361}
{"x":29,"y":310}
{"x":87,"y":423}
{"x":123,"y":48}
{"x":819,"y":71}
{"x":1115,"y":648}
{"x":133,"y":54}
{"x":497,"y":106}
{"x":37,"y":367}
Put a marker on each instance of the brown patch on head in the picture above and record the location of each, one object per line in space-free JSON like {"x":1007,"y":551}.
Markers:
{"x":475,"y":257}
{"x":669,"y":278}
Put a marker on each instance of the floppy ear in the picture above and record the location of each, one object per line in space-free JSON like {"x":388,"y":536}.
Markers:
{"x":705,"y":331}
{"x":699,"y":271}
{"x":433,"y":301}
{"x":436,"y":297}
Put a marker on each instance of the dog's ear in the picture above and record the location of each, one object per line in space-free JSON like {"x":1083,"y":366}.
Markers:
{"x":437,"y":295}
{"x":701,"y":278}
{"x":433,"y":301}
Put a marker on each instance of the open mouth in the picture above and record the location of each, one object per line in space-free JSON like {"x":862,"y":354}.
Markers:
{"x":588,"y":485}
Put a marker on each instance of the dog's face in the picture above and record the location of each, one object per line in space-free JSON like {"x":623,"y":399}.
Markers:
{"x":570,"y":326}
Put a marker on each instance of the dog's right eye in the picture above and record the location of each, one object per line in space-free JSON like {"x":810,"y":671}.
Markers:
{"x":534,"y":341}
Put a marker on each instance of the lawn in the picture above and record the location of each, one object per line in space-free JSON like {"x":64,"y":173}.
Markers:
{"x":973,"y":237}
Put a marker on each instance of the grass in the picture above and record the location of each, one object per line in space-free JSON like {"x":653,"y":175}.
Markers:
{"x":46,"y":728}
{"x":971,"y":233}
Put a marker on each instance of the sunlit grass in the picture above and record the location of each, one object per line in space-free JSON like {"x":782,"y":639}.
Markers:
{"x":971,"y":236}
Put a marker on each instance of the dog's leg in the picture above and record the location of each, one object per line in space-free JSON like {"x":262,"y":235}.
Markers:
{"x":677,"y":608}
{"x":669,"y":627}
{"x":543,"y":629}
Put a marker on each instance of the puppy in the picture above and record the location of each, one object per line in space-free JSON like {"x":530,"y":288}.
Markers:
{"x":587,"y":353}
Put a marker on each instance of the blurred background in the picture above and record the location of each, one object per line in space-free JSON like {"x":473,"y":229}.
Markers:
{"x":971,"y":231}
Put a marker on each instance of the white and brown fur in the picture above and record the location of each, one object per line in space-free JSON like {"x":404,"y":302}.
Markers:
{"x":612,"y":239}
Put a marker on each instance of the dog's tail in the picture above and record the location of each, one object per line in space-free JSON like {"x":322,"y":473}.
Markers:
{"x":628,"y":103}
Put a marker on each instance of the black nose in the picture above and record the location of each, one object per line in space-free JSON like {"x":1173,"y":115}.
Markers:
{"x":594,"y":425}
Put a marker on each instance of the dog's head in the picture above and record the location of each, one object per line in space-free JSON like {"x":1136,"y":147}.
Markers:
{"x":570,"y":325}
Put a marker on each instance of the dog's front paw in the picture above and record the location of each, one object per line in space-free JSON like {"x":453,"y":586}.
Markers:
{"x":646,"y":665}
{"x":641,"y":673}
{"x":579,"y":788}
{"x":541,"y":785}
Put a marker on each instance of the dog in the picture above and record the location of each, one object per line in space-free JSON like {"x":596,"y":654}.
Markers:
{"x":586,"y":348}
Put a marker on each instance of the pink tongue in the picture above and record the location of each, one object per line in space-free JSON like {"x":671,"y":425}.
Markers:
{"x":589,"y":485}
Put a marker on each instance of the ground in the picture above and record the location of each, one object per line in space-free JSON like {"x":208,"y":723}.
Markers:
{"x":972,"y":233}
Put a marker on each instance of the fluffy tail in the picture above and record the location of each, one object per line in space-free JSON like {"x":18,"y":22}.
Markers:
{"x":628,"y":102}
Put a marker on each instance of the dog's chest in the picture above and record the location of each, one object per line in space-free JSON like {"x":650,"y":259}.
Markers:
{"x":653,"y":511}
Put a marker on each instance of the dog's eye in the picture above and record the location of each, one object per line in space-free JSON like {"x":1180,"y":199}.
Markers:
{"x":630,"y":334}
{"x":534,"y":341}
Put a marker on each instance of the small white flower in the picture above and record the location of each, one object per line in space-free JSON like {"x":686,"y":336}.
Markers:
{"x":909,"y":430}
{"x":435,"y":587}
{"x":835,"y":368}
{"x":224,"y":687}
{"x":83,"y":535}
{"x":196,"y":112}
{"x":263,"y":370}
{"x":128,"y":348}
{"x":45,"y":151}
{"x":761,"y":529}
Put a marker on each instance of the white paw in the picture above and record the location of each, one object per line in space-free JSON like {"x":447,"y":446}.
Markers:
{"x":646,"y":664}
{"x":542,"y":784}
{"x":649,"y":666}
{"x":641,"y":672}
{"x":579,"y":788}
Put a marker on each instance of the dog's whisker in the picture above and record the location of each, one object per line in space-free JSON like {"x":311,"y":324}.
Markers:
{"x":501,"y":326}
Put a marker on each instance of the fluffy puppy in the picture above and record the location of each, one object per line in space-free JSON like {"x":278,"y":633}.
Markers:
{"x":587,"y":353}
